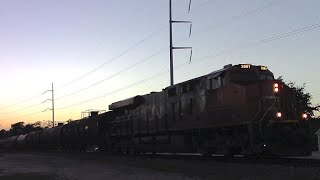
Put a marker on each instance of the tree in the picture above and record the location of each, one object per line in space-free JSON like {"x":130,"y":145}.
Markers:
{"x":17,"y":128}
{"x":302,"y":98}
{"x":3,"y":134}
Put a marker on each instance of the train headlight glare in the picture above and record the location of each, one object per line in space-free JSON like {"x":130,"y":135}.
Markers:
{"x":304,"y":116}
{"x":276,"y":88}
{"x":279,"y":114}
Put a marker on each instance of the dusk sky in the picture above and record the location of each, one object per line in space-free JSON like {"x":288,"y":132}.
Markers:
{"x":100,"y":51}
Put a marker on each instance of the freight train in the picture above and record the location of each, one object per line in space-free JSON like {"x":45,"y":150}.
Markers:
{"x":239,"y":109}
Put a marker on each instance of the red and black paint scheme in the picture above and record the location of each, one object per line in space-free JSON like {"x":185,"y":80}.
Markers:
{"x":238,"y":109}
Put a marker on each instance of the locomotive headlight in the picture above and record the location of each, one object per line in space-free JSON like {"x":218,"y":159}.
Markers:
{"x":304,"y":116}
{"x":276,"y":87}
{"x":279,"y":114}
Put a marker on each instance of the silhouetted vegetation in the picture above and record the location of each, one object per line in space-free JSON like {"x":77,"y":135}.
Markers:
{"x":302,"y":98}
{"x":20,"y":128}
{"x":303,"y":102}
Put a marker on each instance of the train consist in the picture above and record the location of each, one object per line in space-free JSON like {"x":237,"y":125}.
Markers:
{"x":238,"y":109}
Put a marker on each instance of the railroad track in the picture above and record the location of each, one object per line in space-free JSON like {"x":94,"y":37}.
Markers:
{"x":292,"y":162}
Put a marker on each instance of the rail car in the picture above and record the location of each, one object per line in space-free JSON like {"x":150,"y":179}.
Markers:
{"x":238,"y":109}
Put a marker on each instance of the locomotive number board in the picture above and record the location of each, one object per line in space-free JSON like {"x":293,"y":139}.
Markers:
{"x":245,"y":66}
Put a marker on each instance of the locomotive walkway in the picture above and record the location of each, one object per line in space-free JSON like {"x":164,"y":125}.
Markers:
{"x":95,"y":166}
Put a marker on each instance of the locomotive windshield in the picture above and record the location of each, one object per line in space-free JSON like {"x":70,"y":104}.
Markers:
{"x":265,"y":75}
{"x":244,"y":77}
{"x":247,"y":74}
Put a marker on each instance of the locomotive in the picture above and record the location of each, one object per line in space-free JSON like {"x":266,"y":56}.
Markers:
{"x":239,"y":109}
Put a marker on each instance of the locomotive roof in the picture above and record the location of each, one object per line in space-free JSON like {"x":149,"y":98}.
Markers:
{"x":218,"y":72}
{"x":126,"y":102}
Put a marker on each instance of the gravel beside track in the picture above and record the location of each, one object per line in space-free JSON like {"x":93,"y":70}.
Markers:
{"x":96,"y":166}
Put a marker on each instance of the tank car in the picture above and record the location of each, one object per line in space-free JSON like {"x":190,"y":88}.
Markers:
{"x":8,"y":143}
{"x":50,"y":138}
{"x":238,"y":109}
{"x":33,"y":140}
{"x":86,"y":133}
{"x":21,"y":141}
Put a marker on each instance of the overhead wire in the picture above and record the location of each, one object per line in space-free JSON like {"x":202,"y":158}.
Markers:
{"x":246,"y":46}
{"x":219,"y":25}
{"x":263,"y":41}
{"x":29,"y":114}
{"x":235,"y":18}
{"x":111,"y":76}
{"x":20,"y":102}
{"x":125,"y":51}
{"x":112,"y":59}
{"x":103,"y":64}
{"x":21,"y":109}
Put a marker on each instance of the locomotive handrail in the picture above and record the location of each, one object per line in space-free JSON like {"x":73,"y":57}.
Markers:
{"x":251,"y":121}
{"x":260,"y":127}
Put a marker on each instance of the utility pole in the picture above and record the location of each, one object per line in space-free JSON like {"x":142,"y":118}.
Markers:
{"x":52,"y":100}
{"x":171,"y":44}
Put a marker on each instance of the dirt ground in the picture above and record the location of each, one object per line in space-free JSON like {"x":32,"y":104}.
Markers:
{"x":92,"y":166}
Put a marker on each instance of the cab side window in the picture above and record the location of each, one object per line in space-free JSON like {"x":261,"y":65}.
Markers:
{"x":214,"y":83}
{"x":220,"y":81}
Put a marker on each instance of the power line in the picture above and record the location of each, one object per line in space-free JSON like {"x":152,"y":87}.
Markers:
{"x":243,"y":15}
{"x":242,"y":47}
{"x":20,"y":102}
{"x":116,"y":91}
{"x":111,"y":76}
{"x":21,"y":109}
{"x":125,"y":51}
{"x":263,"y":41}
{"x":233,"y":19}
{"x":27,"y":115}
{"x":111,"y":60}
{"x":142,"y":41}
{"x":215,"y":27}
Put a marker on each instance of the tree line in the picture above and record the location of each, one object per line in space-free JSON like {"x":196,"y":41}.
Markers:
{"x":21,"y":128}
